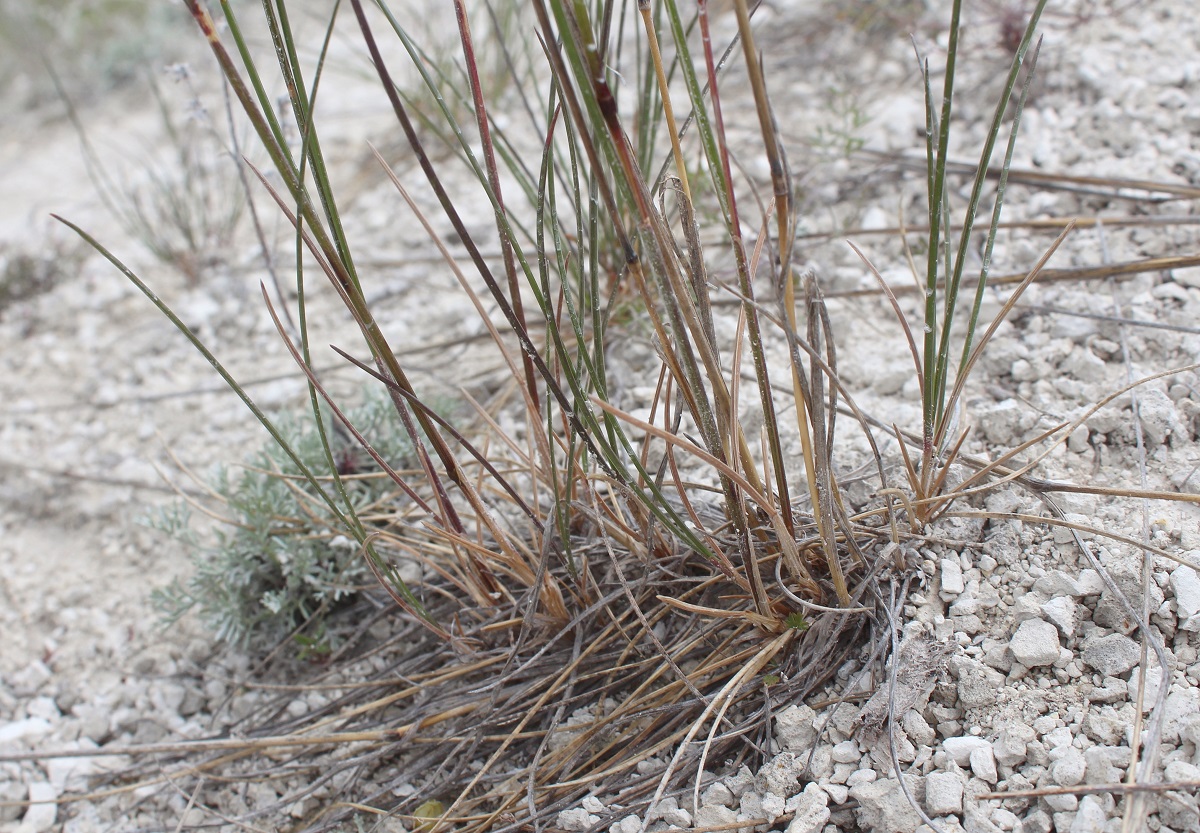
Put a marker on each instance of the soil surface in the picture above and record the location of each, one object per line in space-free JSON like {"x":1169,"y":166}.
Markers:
{"x":107,"y":410}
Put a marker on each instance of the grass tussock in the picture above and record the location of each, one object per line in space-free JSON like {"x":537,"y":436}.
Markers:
{"x":616,"y":592}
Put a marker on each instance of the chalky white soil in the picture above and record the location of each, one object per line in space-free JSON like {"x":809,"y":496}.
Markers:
{"x":1039,"y":680}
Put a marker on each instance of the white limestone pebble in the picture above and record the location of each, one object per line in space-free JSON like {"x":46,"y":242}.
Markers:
{"x":861,"y":776}
{"x":794,"y":728}
{"x":717,"y":794}
{"x":1186,"y":585}
{"x":846,"y":752}
{"x":1111,"y":655}
{"x":29,"y":729}
{"x":959,"y":749}
{"x":1090,"y":817}
{"x":811,"y":811}
{"x":592,"y":804}
{"x":1181,"y":771}
{"x":1012,"y":745}
{"x":43,"y":812}
{"x":1070,"y":767}
{"x":1035,"y":643}
{"x":983,"y":764}
{"x":714,"y":815}
{"x":1089,"y":583}
{"x":882,"y":805}
{"x":978,"y":685}
{"x":1061,"y":612}
{"x":677,"y":817}
{"x":1057,"y":583}
{"x":943,"y":793}
{"x":838,"y":793}
{"x":952,"y":577}
{"x":576,"y":819}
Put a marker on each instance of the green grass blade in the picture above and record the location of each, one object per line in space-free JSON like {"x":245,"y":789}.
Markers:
{"x":954,"y":279}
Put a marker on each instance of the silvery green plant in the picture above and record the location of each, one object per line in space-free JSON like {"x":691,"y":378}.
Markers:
{"x":276,"y":564}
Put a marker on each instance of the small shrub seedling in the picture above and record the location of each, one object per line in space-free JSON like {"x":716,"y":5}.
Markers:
{"x":276,"y":565}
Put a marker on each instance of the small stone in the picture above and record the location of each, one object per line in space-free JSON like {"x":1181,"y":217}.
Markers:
{"x":1112,"y":614}
{"x":838,"y":793}
{"x":1152,"y":682}
{"x":952,"y":577}
{"x":943,"y":793}
{"x":861,"y":776}
{"x":773,"y":806}
{"x":1023,"y":371}
{"x":1063,"y":803}
{"x":750,"y":806}
{"x":1113,"y":690}
{"x":882,"y":805}
{"x":1058,"y":738}
{"x":1177,"y":771}
{"x":779,"y":775}
{"x":794,"y":728}
{"x":42,"y":812}
{"x":1005,"y":819}
{"x":71,"y":774}
{"x":29,"y":729}
{"x":996,"y":655}
{"x":811,"y":811}
{"x":1111,"y":655}
{"x":1077,"y":441}
{"x":983,"y":764}
{"x":978,"y":685}
{"x":678,"y":817}
{"x":1100,"y":769}
{"x":1060,"y":611}
{"x":711,"y":815}
{"x":1159,"y":417}
{"x":740,"y":782}
{"x":976,"y":821}
{"x":1189,"y":729}
{"x":717,"y":794}
{"x":820,"y":764}
{"x":576,"y":819}
{"x":1002,"y":425}
{"x":1057,"y":583}
{"x":1186,"y":585}
{"x":917,"y":728}
{"x":846,"y":752}
{"x":11,"y":791}
{"x":1070,"y":768}
{"x":1012,"y":744}
{"x":1104,"y":726}
{"x":666,"y":805}
{"x":629,"y":824}
{"x":1035,"y":643}
{"x":1090,"y":583}
{"x":959,"y":749}
{"x":592,"y":804}
{"x":1090,"y":817}
{"x":43,"y":707}
{"x":1038,"y":821}
{"x":1027,"y":607}
{"x":1181,"y":704}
